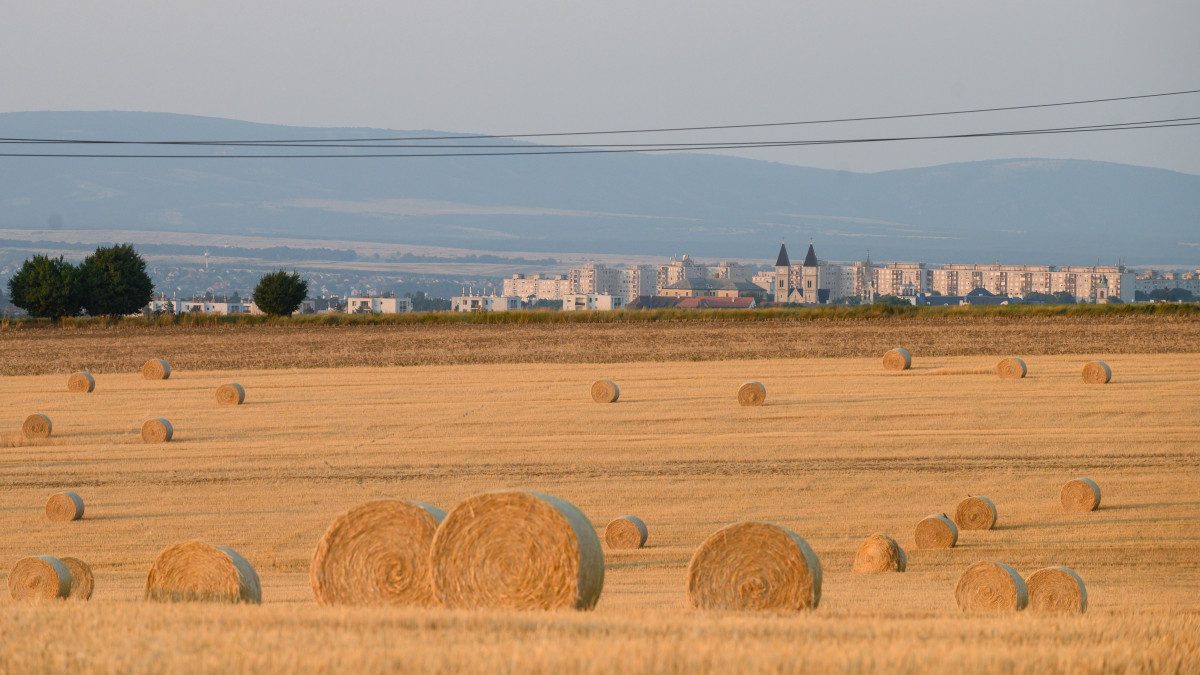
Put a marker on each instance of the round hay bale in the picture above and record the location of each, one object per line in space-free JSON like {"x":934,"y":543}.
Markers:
{"x":605,"y":391}
{"x":754,"y":566}
{"x":81,"y":383}
{"x":936,"y":531}
{"x":897,"y":359}
{"x":36,"y":426}
{"x":1056,"y":590}
{"x":82,"y":580}
{"x":39,"y":579}
{"x":880,"y":553}
{"x":752,"y":393}
{"x":1097,"y":372}
{"x":975,"y":513}
{"x":626,"y":532}
{"x":517,"y":550}
{"x":156,"y":369}
{"x":196,"y":572}
{"x":231,"y":394}
{"x":64,"y":507}
{"x":1011,"y":369}
{"x":990,"y":587}
{"x":1079,"y":495}
{"x":157,"y":430}
{"x":376,"y":553}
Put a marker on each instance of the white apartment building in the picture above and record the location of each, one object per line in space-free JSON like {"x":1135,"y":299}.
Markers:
{"x":222,"y":306}
{"x":595,"y":279}
{"x":485,"y":303}
{"x":540,"y":286}
{"x":638,"y":280}
{"x":677,"y":270}
{"x":582,"y":301}
{"x":376,"y":304}
{"x":1153,"y":280}
{"x":731,"y":270}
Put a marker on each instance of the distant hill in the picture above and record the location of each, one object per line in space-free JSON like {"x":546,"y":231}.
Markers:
{"x":1028,"y":211}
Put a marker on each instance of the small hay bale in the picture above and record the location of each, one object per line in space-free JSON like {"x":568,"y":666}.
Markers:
{"x":988,"y":587}
{"x":626,"y":532}
{"x":81,"y":383}
{"x":897,"y":359}
{"x":64,"y":507}
{"x":754,"y":566}
{"x":377,"y":553}
{"x":880,"y":553}
{"x":1080,"y":495}
{"x":517,"y":550}
{"x":157,"y":430}
{"x":39,"y":579}
{"x":82,"y":580}
{"x":936,"y":531}
{"x":156,"y":369}
{"x":231,"y":394}
{"x":1056,"y":590}
{"x":1097,"y":372}
{"x":605,"y":391}
{"x":975,"y":513}
{"x":196,"y":572}
{"x":1011,"y":369}
{"x":36,"y":426}
{"x":752,"y":393}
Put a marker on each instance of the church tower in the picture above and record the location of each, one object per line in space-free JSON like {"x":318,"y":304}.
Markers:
{"x":811,"y":279}
{"x":783,"y":268}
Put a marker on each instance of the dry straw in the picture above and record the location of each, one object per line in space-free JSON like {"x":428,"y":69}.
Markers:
{"x":752,"y":393}
{"x":231,"y":394}
{"x":1056,"y":590}
{"x":157,"y":430}
{"x":936,"y":531}
{"x":156,"y":369}
{"x":376,"y":554}
{"x":880,"y":553}
{"x":897,"y":359}
{"x":988,"y":587}
{"x":36,"y":426}
{"x":64,"y":507}
{"x":605,"y":391}
{"x":626,"y":532}
{"x":39,"y":579}
{"x":1097,"y":372}
{"x":81,"y":383}
{"x":82,"y":580}
{"x":1079,"y":495}
{"x":196,"y":572}
{"x":517,"y":550}
{"x":754,"y":566}
{"x":1011,"y":369}
{"x":975,"y":513}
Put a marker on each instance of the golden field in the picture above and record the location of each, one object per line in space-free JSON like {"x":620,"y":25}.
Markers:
{"x":841,"y":449}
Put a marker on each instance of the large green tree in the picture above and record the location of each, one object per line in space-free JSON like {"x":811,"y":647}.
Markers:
{"x":115,"y":282}
{"x":46,"y":287}
{"x":280,"y":293}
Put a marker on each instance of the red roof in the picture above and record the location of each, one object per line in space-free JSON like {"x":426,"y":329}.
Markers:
{"x":716,"y":303}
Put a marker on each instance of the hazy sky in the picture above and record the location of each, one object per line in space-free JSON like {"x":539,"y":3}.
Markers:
{"x":529,"y":66}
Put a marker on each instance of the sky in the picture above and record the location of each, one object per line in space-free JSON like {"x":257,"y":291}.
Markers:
{"x":528,"y":66}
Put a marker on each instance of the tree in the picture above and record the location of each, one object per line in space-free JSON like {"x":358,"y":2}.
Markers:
{"x":423,"y":303}
{"x":1063,"y":298}
{"x":46,"y":287}
{"x":280,"y":293}
{"x":114,"y":281}
{"x":891,"y":300}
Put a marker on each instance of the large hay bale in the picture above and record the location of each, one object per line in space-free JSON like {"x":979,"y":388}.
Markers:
{"x":605,"y":391}
{"x":39,"y":579}
{"x":897,"y":359}
{"x":36,"y":426}
{"x":156,"y":369}
{"x":626,"y":532}
{"x":517,"y":550}
{"x":1097,"y":372}
{"x":81,"y":383}
{"x":231,"y":393}
{"x":82,"y":580}
{"x":196,"y":572}
{"x":1011,"y":369}
{"x":936,"y":531}
{"x":1079,"y":495}
{"x":157,"y":430}
{"x":990,"y":587}
{"x":376,"y":553}
{"x":64,"y":507}
{"x":1056,"y":590}
{"x":880,"y":553}
{"x":754,"y":566}
{"x":975,"y":513}
{"x":751,"y":393}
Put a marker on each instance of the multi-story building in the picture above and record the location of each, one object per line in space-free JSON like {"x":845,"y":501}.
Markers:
{"x":731,"y":270}
{"x":539,"y":286}
{"x":902,"y":278}
{"x":470,"y":302}
{"x":595,"y":279}
{"x":638,"y":281}
{"x":677,"y":270}
{"x":579,"y":301}
{"x":1085,"y":283}
{"x":378,"y":304}
{"x":1153,"y":280}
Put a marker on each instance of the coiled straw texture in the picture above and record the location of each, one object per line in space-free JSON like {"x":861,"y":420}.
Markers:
{"x":1056,"y":590}
{"x":879,"y":553}
{"x":752,"y":393}
{"x":1097,"y":372}
{"x":157,"y":430}
{"x":82,"y":580}
{"x":754,"y":566}
{"x":626,"y":532}
{"x":36,"y":426}
{"x":64,"y":507}
{"x":231,"y":394}
{"x":39,"y":579}
{"x":975,"y":513}
{"x":81,"y":383}
{"x":897,"y":359}
{"x":1080,"y":495}
{"x":156,"y":369}
{"x":377,"y":554}
{"x":196,"y":572}
{"x":605,"y":391}
{"x":1011,"y":369}
{"x":988,"y":587}
{"x":936,"y":531}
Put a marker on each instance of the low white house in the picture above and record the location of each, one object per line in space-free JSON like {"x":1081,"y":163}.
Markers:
{"x":211,"y":307}
{"x":602,"y":301}
{"x":372,"y":304}
{"x":485,"y":303}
